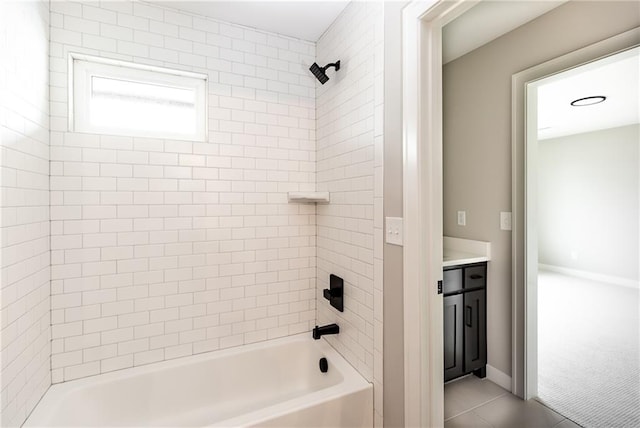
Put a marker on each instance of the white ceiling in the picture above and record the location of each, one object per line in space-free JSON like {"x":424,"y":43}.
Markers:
{"x":309,"y":19}
{"x":616,"y":77}
{"x":302,"y":19}
{"x":487,"y":21}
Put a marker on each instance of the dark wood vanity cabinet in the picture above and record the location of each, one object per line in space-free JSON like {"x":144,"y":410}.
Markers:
{"x":465,"y":320}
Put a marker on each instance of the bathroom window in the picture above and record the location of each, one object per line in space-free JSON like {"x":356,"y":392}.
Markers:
{"x":121,"y":98}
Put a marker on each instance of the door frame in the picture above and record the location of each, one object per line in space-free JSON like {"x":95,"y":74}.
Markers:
{"x":422,"y":23}
{"x":524,"y":176}
{"x":422,"y":202}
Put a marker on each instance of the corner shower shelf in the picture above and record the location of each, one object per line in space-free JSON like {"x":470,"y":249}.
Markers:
{"x":309,"y":197}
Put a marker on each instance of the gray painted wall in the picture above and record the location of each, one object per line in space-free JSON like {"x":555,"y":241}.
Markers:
{"x":477,"y":136}
{"x":393,"y":359}
{"x":588,"y":191}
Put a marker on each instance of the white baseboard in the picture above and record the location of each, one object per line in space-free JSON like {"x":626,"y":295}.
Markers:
{"x":498,"y":377}
{"x":609,"y":279}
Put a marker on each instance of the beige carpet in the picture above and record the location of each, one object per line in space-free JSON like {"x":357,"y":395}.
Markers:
{"x":589,"y":351}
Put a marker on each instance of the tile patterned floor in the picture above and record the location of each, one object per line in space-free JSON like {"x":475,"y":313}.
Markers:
{"x":478,"y":403}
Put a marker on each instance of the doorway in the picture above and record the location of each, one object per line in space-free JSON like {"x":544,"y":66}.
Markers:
{"x":422,"y":23}
{"x":582,"y":216}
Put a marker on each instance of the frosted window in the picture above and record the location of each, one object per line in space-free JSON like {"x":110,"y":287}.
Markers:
{"x":135,"y":105}
{"x":121,"y":100}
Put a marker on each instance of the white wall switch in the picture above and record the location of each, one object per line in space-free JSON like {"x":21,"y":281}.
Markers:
{"x":462,"y":218}
{"x":505,"y":220}
{"x":394,"y":233}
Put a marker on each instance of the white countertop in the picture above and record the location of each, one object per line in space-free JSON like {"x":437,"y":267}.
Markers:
{"x":457,"y":251}
{"x":454,"y":258}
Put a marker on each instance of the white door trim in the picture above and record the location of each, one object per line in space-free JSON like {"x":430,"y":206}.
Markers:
{"x":422,"y":23}
{"x":524,"y":315}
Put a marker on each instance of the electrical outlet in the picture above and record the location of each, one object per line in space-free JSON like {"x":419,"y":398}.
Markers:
{"x":394,"y":233}
{"x":462,"y":218}
{"x":505,"y":220}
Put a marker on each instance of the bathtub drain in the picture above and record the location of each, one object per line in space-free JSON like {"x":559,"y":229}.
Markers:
{"x":324,"y":365}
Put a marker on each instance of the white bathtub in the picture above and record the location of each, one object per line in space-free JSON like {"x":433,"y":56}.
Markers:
{"x":271,"y":384}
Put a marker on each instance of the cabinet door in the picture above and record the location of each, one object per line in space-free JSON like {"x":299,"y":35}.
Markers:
{"x":452,"y":280}
{"x":475,"y":330}
{"x":453,"y":337}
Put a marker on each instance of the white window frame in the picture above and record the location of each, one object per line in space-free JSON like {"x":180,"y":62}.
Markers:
{"x":83,"y":67}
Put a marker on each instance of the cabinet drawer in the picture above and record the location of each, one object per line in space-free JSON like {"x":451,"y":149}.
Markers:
{"x":475,"y":277}
{"x":452,"y":281}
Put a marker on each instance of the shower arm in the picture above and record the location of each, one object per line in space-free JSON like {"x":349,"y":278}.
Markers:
{"x":335,"y":65}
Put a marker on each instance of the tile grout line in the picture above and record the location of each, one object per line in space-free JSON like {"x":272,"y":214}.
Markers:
{"x":564,"y":418}
{"x":479,"y":405}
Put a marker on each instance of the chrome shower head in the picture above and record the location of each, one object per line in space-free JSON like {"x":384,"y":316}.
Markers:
{"x":320,"y":72}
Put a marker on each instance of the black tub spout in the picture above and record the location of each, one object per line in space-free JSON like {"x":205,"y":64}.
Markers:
{"x":318,"y":332}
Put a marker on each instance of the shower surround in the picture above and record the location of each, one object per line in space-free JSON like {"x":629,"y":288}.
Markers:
{"x":349,"y":109}
{"x":25,"y":330}
{"x":164,"y":248}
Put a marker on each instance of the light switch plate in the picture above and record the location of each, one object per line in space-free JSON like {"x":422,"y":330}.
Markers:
{"x":394,"y":230}
{"x":505,"y":220}
{"x":462,"y":218}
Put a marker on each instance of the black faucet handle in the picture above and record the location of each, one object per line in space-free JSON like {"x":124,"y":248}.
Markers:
{"x":334,"y":294}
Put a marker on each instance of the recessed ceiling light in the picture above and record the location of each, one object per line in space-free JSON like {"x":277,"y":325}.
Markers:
{"x":588,"y":101}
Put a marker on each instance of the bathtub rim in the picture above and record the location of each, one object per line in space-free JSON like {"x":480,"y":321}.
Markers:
{"x":352,"y":380}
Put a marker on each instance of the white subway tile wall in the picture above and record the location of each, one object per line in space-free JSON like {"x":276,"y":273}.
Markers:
{"x":349,"y":166}
{"x":24,"y":208}
{"x":165,"y":248}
